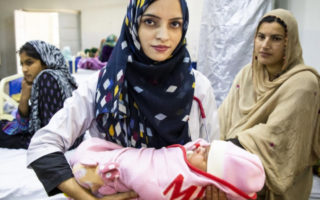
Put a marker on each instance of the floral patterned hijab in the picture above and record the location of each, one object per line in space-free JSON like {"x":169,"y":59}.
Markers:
{"x":140,"y":102}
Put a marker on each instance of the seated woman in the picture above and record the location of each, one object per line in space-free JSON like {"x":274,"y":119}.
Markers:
{"x":46,"y":84}
{"x":106,"y":47}
{"x":177,"y":171}
{"x":272,"y":109}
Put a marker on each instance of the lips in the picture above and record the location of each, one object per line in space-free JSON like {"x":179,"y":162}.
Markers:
{"x":27,"y":76}
{"x":160,"y":48}
{"x":265,"y":54}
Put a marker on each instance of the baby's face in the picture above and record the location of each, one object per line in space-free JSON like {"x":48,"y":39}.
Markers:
{"x":198,"y":158}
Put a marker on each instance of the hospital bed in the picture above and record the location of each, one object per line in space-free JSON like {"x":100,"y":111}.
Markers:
{"x":5,"y":96}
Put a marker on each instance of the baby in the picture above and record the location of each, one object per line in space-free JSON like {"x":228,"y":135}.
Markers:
{"x":173,"y":172}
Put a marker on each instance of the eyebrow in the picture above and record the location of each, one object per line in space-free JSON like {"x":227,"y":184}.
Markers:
{"x":28,"y":59}
{"x":271,"y":34}
{"x":151,"y":15}
{"x":25,"y":60}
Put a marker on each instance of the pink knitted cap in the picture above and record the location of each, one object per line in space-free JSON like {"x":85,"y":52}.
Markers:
{"x":237,"y":166}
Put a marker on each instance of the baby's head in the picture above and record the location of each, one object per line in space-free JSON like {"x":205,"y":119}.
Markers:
{"x":231,"y":163}
{"x":198,"y":157}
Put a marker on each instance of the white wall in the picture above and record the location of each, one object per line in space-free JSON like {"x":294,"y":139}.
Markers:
{"x":69,"y":31}
{"x":99,"y":22}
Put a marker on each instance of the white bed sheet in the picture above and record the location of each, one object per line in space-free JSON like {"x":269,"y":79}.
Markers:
{"x":82,"y":74}
{"x":18,"y":182}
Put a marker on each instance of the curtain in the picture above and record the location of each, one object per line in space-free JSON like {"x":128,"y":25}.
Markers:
{"x":226,"y":39}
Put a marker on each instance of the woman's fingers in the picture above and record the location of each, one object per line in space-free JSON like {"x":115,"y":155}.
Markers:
{"x":213,"y":193}
{"x":121,"y":196}
{"x":222,"y":195}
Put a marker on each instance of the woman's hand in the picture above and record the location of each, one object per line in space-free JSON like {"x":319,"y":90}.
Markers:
{"x":25,"y":96}
{"x":213,"y":193}
{"x":26,"y":89}
{"x":121,"y":196}
{"x":75,"y":191}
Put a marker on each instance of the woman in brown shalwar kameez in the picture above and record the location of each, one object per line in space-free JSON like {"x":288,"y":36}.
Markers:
{"x":272,"y":109}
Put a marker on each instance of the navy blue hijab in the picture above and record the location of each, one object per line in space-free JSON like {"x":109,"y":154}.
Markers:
{"x":140,"y":102}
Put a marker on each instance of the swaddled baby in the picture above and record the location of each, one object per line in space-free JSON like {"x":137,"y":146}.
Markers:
{"x":170,"y":172}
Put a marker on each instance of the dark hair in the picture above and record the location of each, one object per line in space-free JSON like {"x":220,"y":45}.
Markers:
{"x":31,"y":52}
{"x":87,"y":51}
{"x":91,"y":51}
{"x":94,"y":50}
{"x":270,"y":19}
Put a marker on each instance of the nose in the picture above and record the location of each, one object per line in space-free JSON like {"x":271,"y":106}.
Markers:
{"x":266,"y":43}
{"x":24,"y":68}
{"x":200,"y":150}
{"x":163,"y":33}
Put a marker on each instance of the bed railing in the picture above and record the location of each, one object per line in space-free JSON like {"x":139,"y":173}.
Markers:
{"x":4,"y":96}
